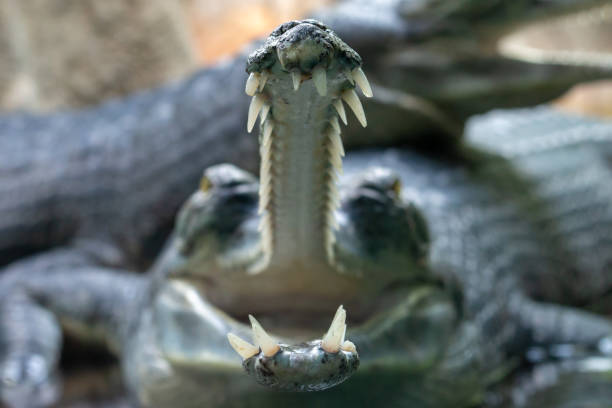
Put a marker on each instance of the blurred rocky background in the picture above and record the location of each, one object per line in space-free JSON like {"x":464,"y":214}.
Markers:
{"x":70,"y":53}
{"x":63,"y":54}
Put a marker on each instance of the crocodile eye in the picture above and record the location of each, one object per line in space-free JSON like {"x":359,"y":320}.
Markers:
{"x":205,"y":184}
{"x":397,"y":187}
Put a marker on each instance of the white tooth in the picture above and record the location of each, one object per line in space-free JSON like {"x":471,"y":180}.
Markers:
{"x":335,"y":124}
{"x":242,"y":347}
{"x":343,"y":334}
{"x":320,"y":80}
{"x":331,"y":340}
{"x":252,"y":83}
{"x":263,"y":339}
{"x":254,"y":108}
{"x":268,"y":127}
{"x":336,"y":162}
{"x":340,"y":109}
{"x":348,"y":346}
{"x":263,"y":78}
{"x":350,"y":97}
{"x":297,"y":78}
{"x":362,"y":81}
{"x":264,"y":112}
{"x":337,"y":142}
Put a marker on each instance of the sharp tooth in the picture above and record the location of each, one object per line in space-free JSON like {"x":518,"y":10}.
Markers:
{"x":332,"y":340}
{"x":335,"y":124}
{"x":297,"y":78}
{"x":336,"y":162}
{"x":256,"y":105}
{"x":336,"y":141}
{"x":242,"y":347}
{"x":350,"y":97}
{"x":348,"y":346}
{"x":263,"y":78}
{"x":320,"y":80}
{"x":251,"y":84}
{"x":268,"y":127}
{"x":264,"y":112}
{"x":362,"y":81}
{"x":263,"y":339}
{"x":340,"y":109}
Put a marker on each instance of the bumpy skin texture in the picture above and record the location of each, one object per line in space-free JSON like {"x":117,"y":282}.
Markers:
{"x":288,"y":367}
{"x":496,"y":218}
{"x":473,"y":208}
{"x":118,"y":173}
{"x":433,"y":64}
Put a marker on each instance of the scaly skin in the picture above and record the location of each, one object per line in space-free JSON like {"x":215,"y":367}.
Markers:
{"x":433,"y":63}
{"x":115,"y":175}
{"x":411,"y":230}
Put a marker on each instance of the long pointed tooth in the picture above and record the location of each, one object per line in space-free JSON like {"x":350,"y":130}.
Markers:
{"x":242,"y":347}
{"x":268,"y":128}
{"x":340,"y":109}
{"x":335,"y":124}
{"x":264,"y":112}
{"x":350,"y":97}
{"x":252,"y":84}
{"x":263,"y":339}
{"x":319,"y":78}
{"x":254,"y":108}
{"x":297,"y":78}
{"x":331,"y":341}
{"x":362,"y":81}
{"x":337,"y":141}
{"x":263,"y":78}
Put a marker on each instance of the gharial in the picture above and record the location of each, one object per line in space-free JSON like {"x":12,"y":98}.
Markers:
{"x":434,"y":259}
{"x":115,"y":175}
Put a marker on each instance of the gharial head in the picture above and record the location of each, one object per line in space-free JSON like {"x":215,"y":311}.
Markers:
{"x":302,"y":241}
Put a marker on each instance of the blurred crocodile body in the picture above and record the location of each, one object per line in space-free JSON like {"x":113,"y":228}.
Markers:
{"x":116,"y":174}
{"x":447,"y":265}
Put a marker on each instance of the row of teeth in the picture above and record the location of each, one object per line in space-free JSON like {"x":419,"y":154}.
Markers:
{"x":256,"y":82}
{"x":335,"y":152}
{"x":332,"y":342}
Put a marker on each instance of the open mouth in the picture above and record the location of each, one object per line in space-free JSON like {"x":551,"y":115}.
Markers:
{"x":291,"y":249}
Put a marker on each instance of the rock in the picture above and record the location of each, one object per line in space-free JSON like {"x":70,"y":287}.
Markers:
{"x":69,"y":53}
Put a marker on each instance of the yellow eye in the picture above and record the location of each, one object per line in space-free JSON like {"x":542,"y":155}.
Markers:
{"x":205,"y":184}
{"x":397,"y":187}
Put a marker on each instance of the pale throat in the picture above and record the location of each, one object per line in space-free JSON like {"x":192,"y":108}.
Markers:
{"x":301,"y":158}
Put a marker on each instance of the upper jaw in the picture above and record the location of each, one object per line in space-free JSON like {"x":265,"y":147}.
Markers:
{"x":301,"y":46}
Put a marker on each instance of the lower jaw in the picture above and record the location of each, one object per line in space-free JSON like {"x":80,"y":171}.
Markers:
{"x":301,"y":315}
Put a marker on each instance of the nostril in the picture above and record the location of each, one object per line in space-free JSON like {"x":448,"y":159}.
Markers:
{"x":304,"y":55}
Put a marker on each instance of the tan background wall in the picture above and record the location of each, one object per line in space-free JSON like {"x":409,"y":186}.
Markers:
{"x":70,"y":53}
